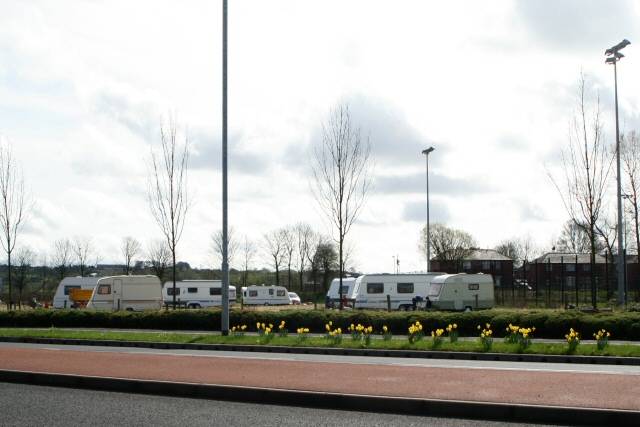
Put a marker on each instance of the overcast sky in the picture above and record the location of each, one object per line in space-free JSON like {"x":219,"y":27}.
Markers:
{"x":491,"y":85}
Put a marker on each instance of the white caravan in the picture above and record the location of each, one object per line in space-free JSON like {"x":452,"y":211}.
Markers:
{"x":265,"y":295}
{"x":333,"y":295}
{"x":61,"y":297}
{"x":371,"y":290}
{"x":131,"y":293}
{"x":462,"y":291}
{"x":197,"y":293}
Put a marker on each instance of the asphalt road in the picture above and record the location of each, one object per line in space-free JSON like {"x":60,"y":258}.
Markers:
{"x":27,"y":405}
{"x":389,"y":361}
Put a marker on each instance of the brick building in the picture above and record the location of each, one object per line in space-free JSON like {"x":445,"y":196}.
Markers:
{"x":487,"y":261}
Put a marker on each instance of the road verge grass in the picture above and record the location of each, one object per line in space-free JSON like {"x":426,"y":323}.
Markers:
{"x":584,"y":349}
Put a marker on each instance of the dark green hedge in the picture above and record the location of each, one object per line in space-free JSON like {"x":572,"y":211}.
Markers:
{"x":548,"y":323}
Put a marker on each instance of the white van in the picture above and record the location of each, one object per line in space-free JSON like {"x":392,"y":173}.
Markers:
{"x":197,"y":293}
{"x":131,"y":293}
{"x":333,"y":294}
{"x":61,"y":297}
{"x":265,"y":295}
{"x":462,"y":291}
{"x":371,"y":290}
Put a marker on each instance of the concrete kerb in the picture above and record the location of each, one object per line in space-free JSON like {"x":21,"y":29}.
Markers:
{"x":423,"y":354}
{"x":326,"y":400}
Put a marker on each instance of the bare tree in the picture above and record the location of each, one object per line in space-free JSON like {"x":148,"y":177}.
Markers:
{"x":130,"y":249}
{"x":586,"y":163}
{"x":14,"y":205}
{"x":25,"y":258}
{"x":274,"y":247}
{"x":167,"y":194}
{"x":573,"y":238}
{"x":303,"y":234}
{"x":288,"y":237}
{"x":233,"y":246}
{"x":448,"y":244}
{"x":83,"y":250}
{"x":160,"y":256}
{"x":630,"y":156}
{"x":341,"y":172}
{"x":511,"y":248}
{"x":61,"y":256}
{"x":248,"y":252}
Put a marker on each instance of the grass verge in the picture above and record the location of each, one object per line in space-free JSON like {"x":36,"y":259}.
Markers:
{"x":584,"y":349}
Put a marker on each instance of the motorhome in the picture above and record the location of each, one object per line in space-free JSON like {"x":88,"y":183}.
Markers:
{"x":333,"y":294}
{"x":197,"y":293}
{"x":265,"y":295}
{"x":371,"y":290}
{"x":131,"y":293}
{"x":462,"y":292}
{"x":61,"y":298}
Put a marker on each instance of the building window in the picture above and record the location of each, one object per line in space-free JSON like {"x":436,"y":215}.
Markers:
{"x":405,"y":288}
{"x":570,"y":282}
{"x":375,"y":288}
{"x":547,"y":266}
{"x":586,"y":267}
{"x":497,"y":280}
{"x":466,"y":265}
{"x":486,"y":265}
{"x":497,"y":266}
{"x":215,"y":291}
{"x":104,"y":290}
{"x":570,"y":267}
{"x":192,"y":290}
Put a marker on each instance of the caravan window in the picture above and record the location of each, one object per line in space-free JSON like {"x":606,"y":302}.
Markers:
{"x":253,"y":293}
{"x":375,"y":288}
{"x":67,"y":289}
{"x":104,"y":290}
{"x":434,"y":289}
{"x":405,"y":288}
{"x":345,"y":289}
{"x":192,"y":290}
{"x":270,"y":291}
{"x":215,"y":291}
{"x":170,"y":291}
{"x":280,"y":292}
{"x":474,"y":286}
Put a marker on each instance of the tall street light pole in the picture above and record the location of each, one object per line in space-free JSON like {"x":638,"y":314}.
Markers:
{"x":224,"y":321}
{"x":614,"y":56}
{"x":426,"y":155}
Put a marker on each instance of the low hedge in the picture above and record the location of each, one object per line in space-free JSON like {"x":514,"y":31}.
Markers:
{"x":548,"y":323}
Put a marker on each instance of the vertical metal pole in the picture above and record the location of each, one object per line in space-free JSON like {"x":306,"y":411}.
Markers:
{"x":428,"y":231}
{"x":224,"y":321}
{"x":620,"y":266}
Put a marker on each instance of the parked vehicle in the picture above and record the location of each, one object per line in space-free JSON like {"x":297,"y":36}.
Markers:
{"x":197,"y":293}
{"x":462,"y":291}
{"x":131,"y":293}
{"x":348,"y":292}
{"x":265,"y":295}
{"x":295,"y":299}
{"x":371,"y":290}
{"x":61,"y":298}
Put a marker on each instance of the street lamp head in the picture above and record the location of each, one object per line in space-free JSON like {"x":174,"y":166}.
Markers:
{"x":612,"y":50}
{"x":428,"y":150}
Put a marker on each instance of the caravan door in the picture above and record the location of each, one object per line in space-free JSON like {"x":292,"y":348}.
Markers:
{"x":117,"y":293}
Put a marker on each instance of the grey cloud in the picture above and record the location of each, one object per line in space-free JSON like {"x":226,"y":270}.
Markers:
{"x":416,"y":211}
{"x":438,"y":184}
{"x":141,"y":119}
{"x":578,"y":24}
{"x":530,"y":211}
{"x":207,"y":154}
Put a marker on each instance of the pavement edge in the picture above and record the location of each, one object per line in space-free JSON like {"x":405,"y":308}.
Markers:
{"x":327,"y":400}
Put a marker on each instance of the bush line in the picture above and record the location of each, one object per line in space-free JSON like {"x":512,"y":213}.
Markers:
{"x":548,"y":323}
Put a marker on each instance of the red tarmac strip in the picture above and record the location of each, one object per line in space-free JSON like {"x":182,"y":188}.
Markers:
{"x":591,"y":390}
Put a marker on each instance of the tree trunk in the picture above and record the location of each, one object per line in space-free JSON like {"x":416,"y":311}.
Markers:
{"x":9,"y":279}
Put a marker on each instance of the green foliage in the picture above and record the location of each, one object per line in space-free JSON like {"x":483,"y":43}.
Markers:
{"x":548,"y":323}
